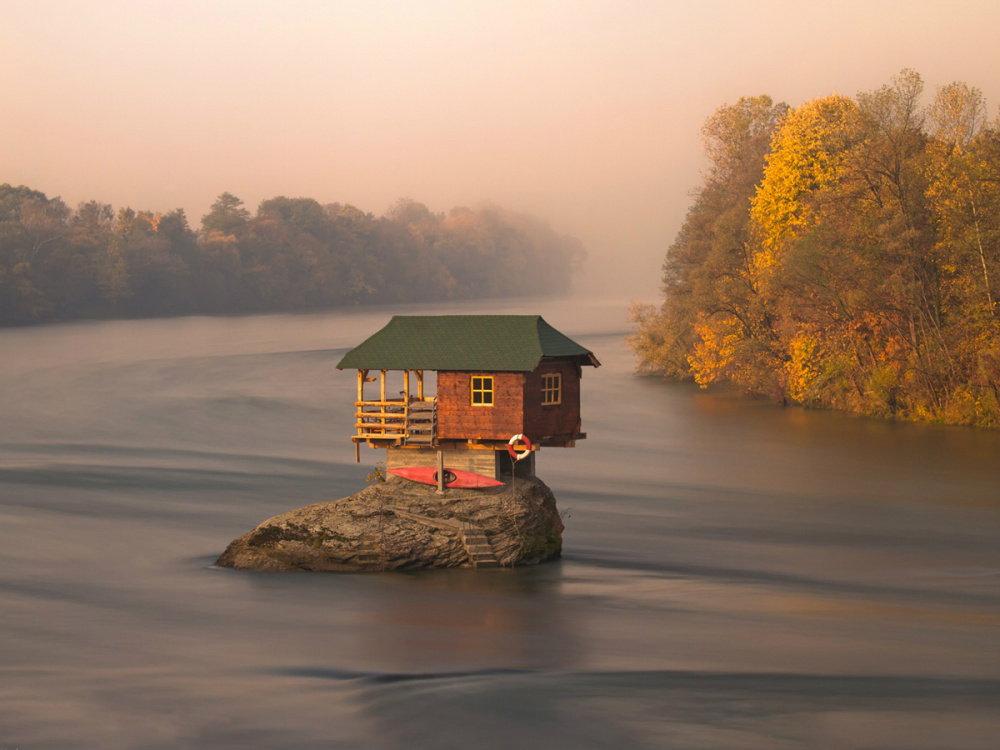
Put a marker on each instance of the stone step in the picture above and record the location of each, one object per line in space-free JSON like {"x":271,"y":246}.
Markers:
{"x":477,"y":547}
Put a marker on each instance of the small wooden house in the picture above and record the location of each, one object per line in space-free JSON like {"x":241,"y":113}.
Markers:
{"x":497,"y":376}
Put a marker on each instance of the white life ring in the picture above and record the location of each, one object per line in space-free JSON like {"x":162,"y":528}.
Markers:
{"x":513,"y":441}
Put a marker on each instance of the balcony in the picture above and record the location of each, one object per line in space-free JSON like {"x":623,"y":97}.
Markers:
{"x":396,"y":421}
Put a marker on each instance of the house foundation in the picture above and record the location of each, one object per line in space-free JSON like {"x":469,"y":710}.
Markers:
{"x":494,"y":464}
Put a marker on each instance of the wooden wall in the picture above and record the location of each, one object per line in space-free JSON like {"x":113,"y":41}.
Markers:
{"x":517,"y":406}
{"x":556,"y":419}
{"x":477,"y":461}
{"x":490,"y":463}
{"x":458,"y":419}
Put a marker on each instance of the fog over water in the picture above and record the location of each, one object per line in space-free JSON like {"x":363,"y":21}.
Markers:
{"x":734,"y":574}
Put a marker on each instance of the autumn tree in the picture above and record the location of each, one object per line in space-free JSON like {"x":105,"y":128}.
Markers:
{"x":293,"y":253}
{"x":32,"y":230}
{"x":963,"y":175}
{"x":871,"y":253}
{"x":713,"y":324}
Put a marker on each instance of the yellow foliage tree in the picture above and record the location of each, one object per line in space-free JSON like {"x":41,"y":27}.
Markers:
{"x":960,"y":184}
{"x":807,"y":156}
{"x":861,"y":270}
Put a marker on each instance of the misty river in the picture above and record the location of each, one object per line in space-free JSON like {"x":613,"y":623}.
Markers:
{"x":734,"y":574}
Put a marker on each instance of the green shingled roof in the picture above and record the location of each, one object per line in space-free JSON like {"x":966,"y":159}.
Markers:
{"x":494,"y":343}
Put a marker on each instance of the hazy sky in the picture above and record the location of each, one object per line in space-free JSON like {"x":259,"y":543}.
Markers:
{"x":585,"y":113}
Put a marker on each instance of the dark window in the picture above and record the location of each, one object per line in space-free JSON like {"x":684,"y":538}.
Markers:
{"x":551,"y":388}
{"x":482,"y":390}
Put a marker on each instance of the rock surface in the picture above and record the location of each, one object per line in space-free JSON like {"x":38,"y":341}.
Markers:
{"x":399,"y":524}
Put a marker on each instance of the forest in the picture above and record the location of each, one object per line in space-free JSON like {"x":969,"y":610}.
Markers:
{"x":293,"y":254}
{"x":841,"y":254}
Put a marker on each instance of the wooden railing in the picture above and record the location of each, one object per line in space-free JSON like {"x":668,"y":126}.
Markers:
{"x":421,"y":422}
{"x":396,"y":420}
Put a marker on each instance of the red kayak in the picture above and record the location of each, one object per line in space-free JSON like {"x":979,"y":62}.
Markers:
{"x":453,"y":478}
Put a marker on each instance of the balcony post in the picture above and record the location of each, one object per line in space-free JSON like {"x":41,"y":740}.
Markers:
{"x":382,"y":407}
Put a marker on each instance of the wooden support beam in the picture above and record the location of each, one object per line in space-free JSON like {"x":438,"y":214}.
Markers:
{"x":420,"y":384}
{"x":406,"y":386}
{"x":382,"y":384}
{"x":361,"y":385}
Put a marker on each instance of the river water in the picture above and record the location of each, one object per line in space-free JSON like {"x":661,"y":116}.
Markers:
{"x":735,"y":575}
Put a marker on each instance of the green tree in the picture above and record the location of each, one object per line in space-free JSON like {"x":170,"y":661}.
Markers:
{"x":226,"y":216}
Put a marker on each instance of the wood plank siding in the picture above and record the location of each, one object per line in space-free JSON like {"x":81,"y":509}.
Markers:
{"x":477,"y":461}
{"x":552,"y":420}
{"x":458,"y":419}
{"x":517,"y":405}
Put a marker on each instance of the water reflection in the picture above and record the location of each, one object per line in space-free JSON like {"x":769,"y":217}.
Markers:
{"x":438,"y":621}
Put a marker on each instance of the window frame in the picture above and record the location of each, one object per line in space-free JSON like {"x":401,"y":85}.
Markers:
{"x":487,"y":386}
{"x":548,"y":390}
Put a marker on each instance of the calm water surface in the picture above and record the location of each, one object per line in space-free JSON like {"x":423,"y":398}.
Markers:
{"x":734,"y":576}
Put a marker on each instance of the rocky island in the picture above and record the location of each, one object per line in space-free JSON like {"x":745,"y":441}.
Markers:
{"x":496,"y":379}
{"x":402,"y":525}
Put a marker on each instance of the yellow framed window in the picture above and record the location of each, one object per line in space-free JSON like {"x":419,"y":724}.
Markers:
{"x":482,"y":390}
{"x":551,"y":388}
